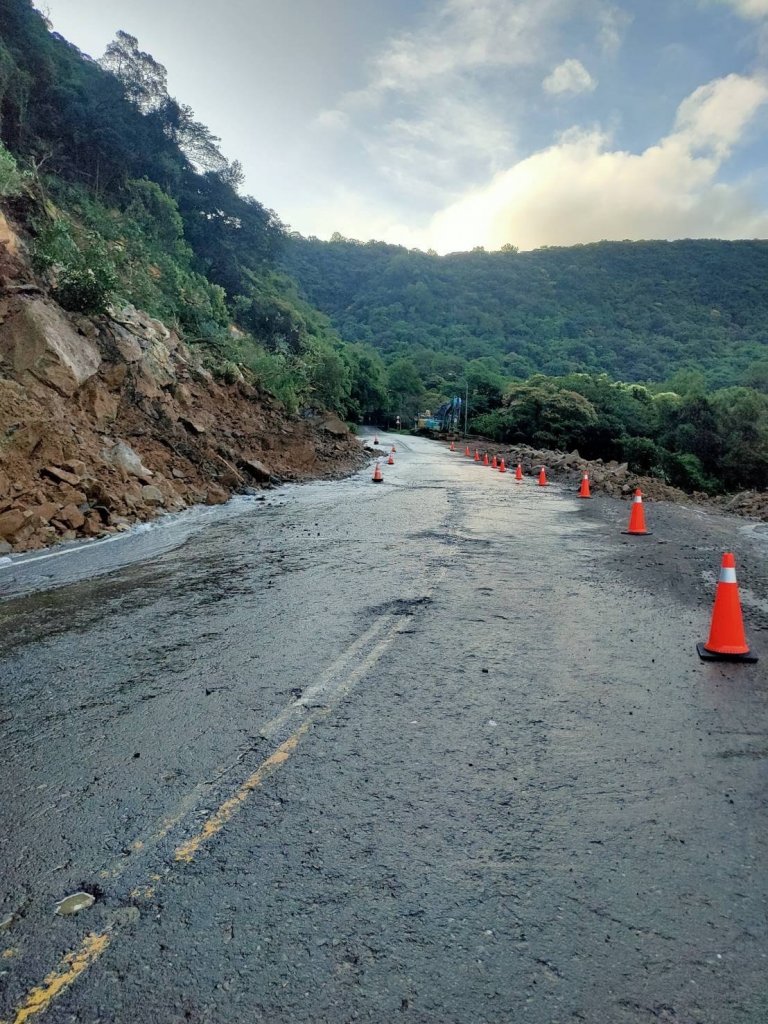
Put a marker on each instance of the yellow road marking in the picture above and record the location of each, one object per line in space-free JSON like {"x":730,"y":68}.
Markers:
{"x":217,"y":821}
{"x":71,"y":967}
{"x":74,"y":964}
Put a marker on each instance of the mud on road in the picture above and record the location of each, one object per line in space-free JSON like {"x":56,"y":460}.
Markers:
{"x":440,"y":751}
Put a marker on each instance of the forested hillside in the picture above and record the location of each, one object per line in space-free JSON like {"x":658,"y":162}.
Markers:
{"x":128,"y":199}
{"x":124,"y":197}
{"x":638,"y":311}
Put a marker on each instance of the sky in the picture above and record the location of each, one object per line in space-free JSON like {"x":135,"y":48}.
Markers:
{"x":450,"y":124}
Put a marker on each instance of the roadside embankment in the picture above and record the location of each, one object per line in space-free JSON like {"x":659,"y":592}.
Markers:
{"x":616,"y":480}
{"x":112,"y":420}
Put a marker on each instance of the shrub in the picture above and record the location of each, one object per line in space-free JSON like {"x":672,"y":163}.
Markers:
{"x":11,"y":178}
{"x":85,"y":278}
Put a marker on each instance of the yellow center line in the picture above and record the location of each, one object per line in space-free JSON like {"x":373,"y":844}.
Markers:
{"x":71,"y":967}
{"x":94,"y":945}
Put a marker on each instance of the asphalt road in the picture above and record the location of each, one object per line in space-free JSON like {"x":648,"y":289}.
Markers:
{"x":439,"y":750}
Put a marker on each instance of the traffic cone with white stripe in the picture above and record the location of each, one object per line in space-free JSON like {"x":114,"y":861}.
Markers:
{"x":494,"y":463}
{"x":486,"y":462}
{"x":375,"y":440}
{"x":378,"y":476}
{"x":637,"y":517}
{"x":543,"y":482}
{"x":584,"y":489}
{"x":727,"y":640}
{"x":467,"y":452}
{"x":518,"y":473}
{"x":453,"y":447}
{"x":391,"y":460}
{"x":477,"y":455}
{"x":502,"y":467}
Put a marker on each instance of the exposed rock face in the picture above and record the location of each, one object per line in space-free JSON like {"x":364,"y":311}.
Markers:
{"x":108,"y":421}
{"x":37,"y":339}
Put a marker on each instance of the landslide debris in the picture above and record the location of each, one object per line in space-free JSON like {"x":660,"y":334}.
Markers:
{"x":616,"y":480}
{"x":108,"y":421}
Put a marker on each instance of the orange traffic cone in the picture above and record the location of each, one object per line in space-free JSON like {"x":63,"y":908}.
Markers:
{"x":453,"y":447}
{"x":467,"y":452}
{"x":485,"y":460}
{"x":390,"y":460}
{"x":543,"y":482}
{"x":584,"y":489}
{"x":477,"y":455}
{"x":375,"y":440}
{"x":502,"y":467}
{"x":494,"y":463}
{"x":727,"y":641}
{"x":518,"y":473}
{"x":378,"y":476}
{"x":637,"y":516}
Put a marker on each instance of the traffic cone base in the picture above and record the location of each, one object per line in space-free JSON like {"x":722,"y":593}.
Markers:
{"x":706,"y":655}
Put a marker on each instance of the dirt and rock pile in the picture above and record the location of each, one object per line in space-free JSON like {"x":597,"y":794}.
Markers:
{"x":108,"y":421}
{"x":615,"y":479}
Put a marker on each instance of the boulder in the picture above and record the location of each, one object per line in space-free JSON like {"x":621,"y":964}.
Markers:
{"x":257,"y":470}
{"x":11,"y":522}
{"x":5,"y":548}
{"x":39,"y":341}
{"x":62,"y":475}
{"x":72,"y":516}
{"x":125,"y":458}
{"x":127,"y":344}
{"x":152,"y":495}
{"x":216,"y":495}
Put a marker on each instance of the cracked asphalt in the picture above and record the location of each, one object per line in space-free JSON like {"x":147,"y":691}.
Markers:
{"x":437,"y":751}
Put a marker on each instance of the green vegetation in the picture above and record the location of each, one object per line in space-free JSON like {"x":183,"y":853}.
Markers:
{"x":11,"y":178}
{"x":129,"y":199}
{"x":534,"y":340}
{"x":635,"y":310}
{"x":697,"y":441}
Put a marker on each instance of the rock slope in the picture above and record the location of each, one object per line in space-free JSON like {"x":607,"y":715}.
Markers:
{"x":107,"y":421}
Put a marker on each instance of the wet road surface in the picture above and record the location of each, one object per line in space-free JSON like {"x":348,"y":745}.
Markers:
{"x":439,"y":750}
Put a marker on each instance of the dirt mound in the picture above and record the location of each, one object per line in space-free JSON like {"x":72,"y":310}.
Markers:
{"x":105,"y":422}
{"x":615,"y":479}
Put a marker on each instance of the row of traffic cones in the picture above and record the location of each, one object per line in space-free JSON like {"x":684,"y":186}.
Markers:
{"x":727,"y":639}
{"x":378,"y":476}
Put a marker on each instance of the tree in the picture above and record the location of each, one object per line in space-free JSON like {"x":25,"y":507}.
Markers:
{"x":405,"y":388}
{"x":144,"y":79}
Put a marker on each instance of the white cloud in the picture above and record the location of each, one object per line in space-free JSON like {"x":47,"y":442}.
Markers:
{"x":570,"y":77}
{"x":580,"y":190}
{"x":750,"y":8}
{"x":613,"y":22}
{"x":442,"y":105}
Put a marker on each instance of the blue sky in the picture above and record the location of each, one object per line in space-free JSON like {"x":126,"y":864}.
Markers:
{"x":455,"y":123}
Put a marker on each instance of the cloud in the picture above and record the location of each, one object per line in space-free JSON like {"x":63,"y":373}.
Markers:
{"x":444,"y":102}
{"x":749,"y":8}
{"x":570,"y":77}
{"x":580,"y":190}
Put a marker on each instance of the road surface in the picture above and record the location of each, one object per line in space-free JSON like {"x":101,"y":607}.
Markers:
{"x":438,"y":750}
